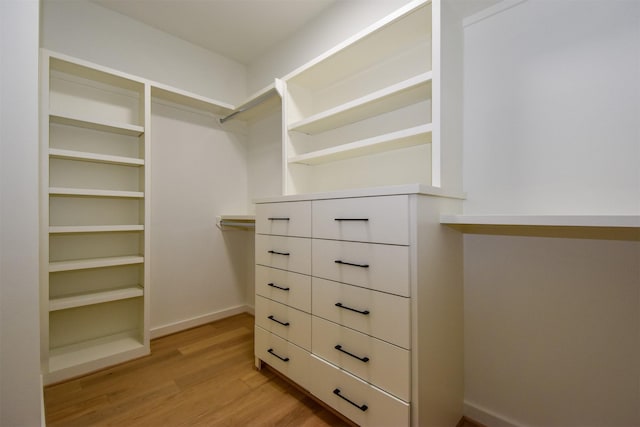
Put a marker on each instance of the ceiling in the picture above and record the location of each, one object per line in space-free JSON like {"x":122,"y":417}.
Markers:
{"x":238,"y":29}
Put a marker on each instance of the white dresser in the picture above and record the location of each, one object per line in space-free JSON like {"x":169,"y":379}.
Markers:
{"x":359,"y":301}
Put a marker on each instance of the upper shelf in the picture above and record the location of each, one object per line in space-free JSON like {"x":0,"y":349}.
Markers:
{"x":612,"y":227}
{"x":401,"y":94}
{"x":189,"y":99}
{"x":267,"y":99}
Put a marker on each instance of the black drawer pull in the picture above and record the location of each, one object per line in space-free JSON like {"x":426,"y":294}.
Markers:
{"x":279,"y":253}
{"x":361,"y":407}
{"x":362,"y":359}
{"x":277,"y":321}
{"x":284,"y":359}
{"x":365,"y":312}
{"x":278,"y":219}
{"x":351,"y":219}
{"x":273,"y":285}
{"x":350,"y":263}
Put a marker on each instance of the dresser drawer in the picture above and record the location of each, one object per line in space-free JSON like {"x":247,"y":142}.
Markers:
{"x":381,"y":267}
{"x":363,"y":219}
{"x":286,"y":253}
{"x":375,"y":361}
{"x":364,"y":404}
{"x":286,"y":287}
{"x":378,"y":314}
{"x":286,"y":322}
{"x":284,"y":219}
{"x":282,"y":355}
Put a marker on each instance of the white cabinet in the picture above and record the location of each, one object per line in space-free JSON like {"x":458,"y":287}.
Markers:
{"x":368,"y":112}
{"x":94,"y":213}
{"x":381,"y":341}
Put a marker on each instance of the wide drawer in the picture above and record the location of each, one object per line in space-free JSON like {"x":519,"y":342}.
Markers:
{"x":378,"y":314}
{"x":363,"y":403}
{"x":375,"y":361}
{"x":286,"y":253}
{"x":286,"y":322}
{"x":363,"y":219}
{"x":286,"y":287}
{"x":282,"y":355}
{"x":285,"y":219}
{"x":381,"y":267}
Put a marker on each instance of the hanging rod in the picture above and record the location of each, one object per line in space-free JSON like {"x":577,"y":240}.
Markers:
{"x":244,"y":222}
{"x":251,"y":104}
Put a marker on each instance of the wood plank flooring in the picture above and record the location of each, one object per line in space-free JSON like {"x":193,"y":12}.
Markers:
{"x":200,"y":377}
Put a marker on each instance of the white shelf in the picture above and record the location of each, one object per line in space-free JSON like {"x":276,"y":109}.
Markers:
{"x":627,"y":221}
{"x":84,"y":264}
{"x":418,"y":135}
{"x":267,"y":99}
{"x":85,"y":352}
{"x":391,"y":98}
{"x":94,"y":157}
{"x":89,"y":192}
{"x":189,"y":99}
{"x":81,"y":300}
{"x":103,"y":126}
{"x":66,"y":229}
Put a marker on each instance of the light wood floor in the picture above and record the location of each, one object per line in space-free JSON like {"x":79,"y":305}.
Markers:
{"x":200,"y":377}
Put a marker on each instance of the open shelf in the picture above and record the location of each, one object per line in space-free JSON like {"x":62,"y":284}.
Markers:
{"x":267,"y":99}
{"x":391,"y":98}
{"x":417,"y":135}
{"x":83,"y":264}
{"x":189,"y":99}
{"x":80,"y":300}
{"x":63,"y":229}
{"x":57,"y":153}
{"x":104,"y":126}
{"x":89,"y":192}
{"x":75,"y":355}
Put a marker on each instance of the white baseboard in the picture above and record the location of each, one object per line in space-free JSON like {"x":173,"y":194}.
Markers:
{"x":487,"y":417}
{"x":171,"y":328}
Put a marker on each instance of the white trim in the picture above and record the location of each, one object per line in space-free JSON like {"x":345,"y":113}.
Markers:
{"x":487,"y":417}
{"x":181,"y":325}
{"x":489,"y":12}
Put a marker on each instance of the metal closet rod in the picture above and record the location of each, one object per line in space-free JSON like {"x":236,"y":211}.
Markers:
{"x":260,"y":99}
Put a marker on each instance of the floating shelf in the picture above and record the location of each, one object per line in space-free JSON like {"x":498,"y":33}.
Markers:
{"x":391,"y":98}
{"x":614,"y":227}
{"x":81,"y":300}
{"x":84,"y":264}
{"x":405,"y":138}
{"x":103,"y":126}
{"x":94,"y":157}
{"x":66,"y":229}
{"x":89,"y":192}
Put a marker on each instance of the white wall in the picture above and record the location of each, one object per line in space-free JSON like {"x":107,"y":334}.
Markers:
{"x":19,"y":296}
{"x":337,"y":23}
{"x":552,"y":325}
{"x":91,"y":32}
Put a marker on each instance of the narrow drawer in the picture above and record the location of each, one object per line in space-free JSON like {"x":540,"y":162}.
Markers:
{"x":284,"y":219}
{"x":361,"y":402}
{"x":286,"y":287}
{"x":363,"y":219}
{"x":374,"y":361}
{"x":286,"y":253}
{"x":282,"y":355}
{"x":286,"y":322}
{"x":381,"y":267}
{"x":378,"y":314}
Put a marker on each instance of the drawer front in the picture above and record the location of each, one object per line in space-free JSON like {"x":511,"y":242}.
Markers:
{"x":286,"y":253}
{"x":286,"y":322}
{"x":284,"y":219}
{"x":374,"y":361}
{"x":282,"y":355}
{"x":378,"y":314}
{"x":286,"y":287}
{"x":363,"y":219}
{"x":381,"y":267}
{"x":364,"y":404}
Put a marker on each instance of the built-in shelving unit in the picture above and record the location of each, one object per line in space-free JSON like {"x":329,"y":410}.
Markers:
{"x":618,"y":227}
{"x":367,"y":112}
{"x":95,"y":210}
